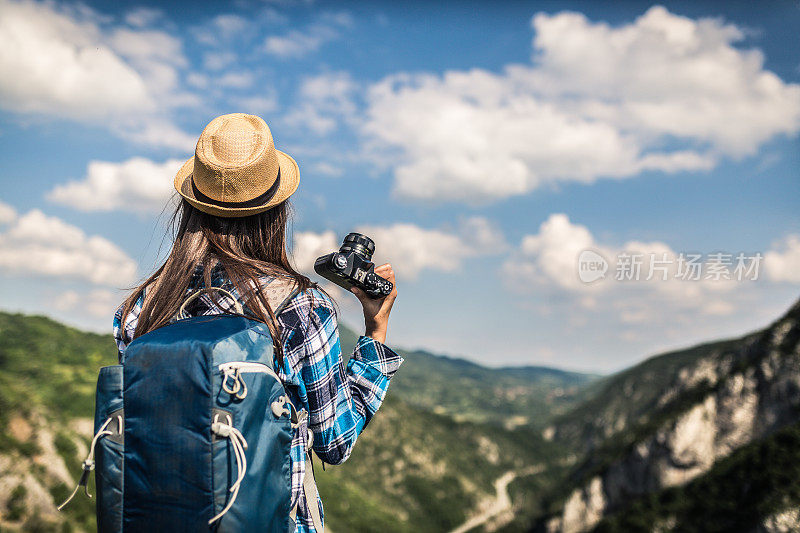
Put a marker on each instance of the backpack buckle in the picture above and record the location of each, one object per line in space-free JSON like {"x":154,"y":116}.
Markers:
{"x":237,"y":387}
{"x":284,"y":406}
{"x":279,"y":407}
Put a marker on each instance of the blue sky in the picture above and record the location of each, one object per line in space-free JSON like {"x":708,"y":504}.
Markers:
{"x":482,"y":146}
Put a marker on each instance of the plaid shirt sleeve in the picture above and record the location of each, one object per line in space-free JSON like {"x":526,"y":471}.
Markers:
{"x":123,"y":333}
{"x":341,"y":400}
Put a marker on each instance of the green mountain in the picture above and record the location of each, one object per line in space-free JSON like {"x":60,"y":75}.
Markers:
{"x":700,"y":439}
{"x":47,"y":377}
{"x":415,"y":468}
{"x":509,"y":396}
{"x":470,"y":392}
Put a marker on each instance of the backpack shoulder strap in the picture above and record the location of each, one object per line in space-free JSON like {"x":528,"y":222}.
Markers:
{"x":310,"y":492}
{"x":196,"y":294}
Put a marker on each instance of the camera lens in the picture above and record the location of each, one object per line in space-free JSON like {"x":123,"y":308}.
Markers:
{"x":358,"y":244}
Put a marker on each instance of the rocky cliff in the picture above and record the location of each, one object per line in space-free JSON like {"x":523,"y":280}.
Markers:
{"x":730,"y":395}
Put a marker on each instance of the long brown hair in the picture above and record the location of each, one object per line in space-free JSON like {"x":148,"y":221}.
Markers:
{"x":244,"y":248}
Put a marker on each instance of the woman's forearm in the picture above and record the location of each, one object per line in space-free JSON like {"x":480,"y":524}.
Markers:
{"x":376,"y":332}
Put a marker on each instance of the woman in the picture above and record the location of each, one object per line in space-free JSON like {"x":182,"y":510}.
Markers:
{"x":231,"y":233}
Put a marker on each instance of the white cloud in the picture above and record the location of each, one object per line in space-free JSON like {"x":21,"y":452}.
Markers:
{"x":324,"y":102}
{"x":228,"y":32}
{"x":296,"y":43}
{"x":235,"y":80}
{"x":332,"y":87}
{"x":195,"y":79}
{"x":145,"y":46}
{"x":226,"y":26}
{"x":548,"y":260}
{"x":158,"y":57}
{"x":553,"y":252}
{"x":482,"y":236}
{"x":7,"y":214}
{"x":257,"y":104}
{"x":218,"y":60}
{"x":62,"y":63}
{"x":663,"y":93}
{"x":545,"y":265}
{"x":53,"y":63}
{"x":158,"y":132}
{"x":143,"y":16}
{"x":138,"y":185}
{"x":327,"y":169}
{"x":41,"y":245}
{"x":409,"y":248}
{"x":293,"y":44}
{"x":667,"y":75}
{"x":99,"y":303}
{"x":782,"y":263}
{"x":307,"y":246}
{"x":67,"y":300}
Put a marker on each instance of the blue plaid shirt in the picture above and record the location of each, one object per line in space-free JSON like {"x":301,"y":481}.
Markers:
{"x":340,"y":401}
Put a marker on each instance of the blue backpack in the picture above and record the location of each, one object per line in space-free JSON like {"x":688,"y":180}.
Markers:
{"x":193,"y":432}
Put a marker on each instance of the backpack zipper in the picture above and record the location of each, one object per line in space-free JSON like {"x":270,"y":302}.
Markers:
{"x":232,"y":381}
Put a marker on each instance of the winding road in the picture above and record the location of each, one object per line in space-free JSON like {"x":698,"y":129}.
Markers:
{"x":500,"y":503}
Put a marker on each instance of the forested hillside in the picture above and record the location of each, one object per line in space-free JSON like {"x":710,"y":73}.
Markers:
{"x":684,"y":441}
{"x":425,"y":463}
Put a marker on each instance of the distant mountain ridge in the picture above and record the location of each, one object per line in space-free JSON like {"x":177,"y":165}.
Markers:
{"x":468,"y":391}
{"x":525,"y":396}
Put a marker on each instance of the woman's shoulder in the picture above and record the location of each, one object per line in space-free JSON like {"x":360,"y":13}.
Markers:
{"x":124,"y":327}
{"x":303,"y":316}
{"x":311,"y":299}
{"x":303,"y":305}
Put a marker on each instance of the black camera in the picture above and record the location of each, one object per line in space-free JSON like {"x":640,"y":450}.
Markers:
{"x":351,"y":267}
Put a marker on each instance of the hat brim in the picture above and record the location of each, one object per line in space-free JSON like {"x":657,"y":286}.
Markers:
{"x":290,"y":179}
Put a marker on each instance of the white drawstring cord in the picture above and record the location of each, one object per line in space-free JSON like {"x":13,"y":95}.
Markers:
{"x":88,"y":464}
{"x":240,"y":387}
{"x":239,"y":446}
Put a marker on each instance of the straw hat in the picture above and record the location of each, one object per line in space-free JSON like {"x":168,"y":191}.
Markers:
{"x":236,"y":170}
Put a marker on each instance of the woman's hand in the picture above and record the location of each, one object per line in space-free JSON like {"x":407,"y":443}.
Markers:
{"x":376,"y":311}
